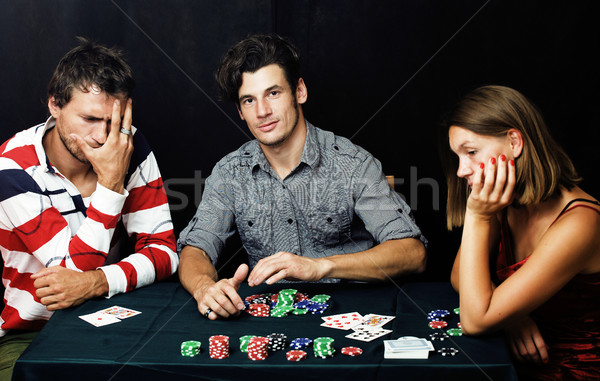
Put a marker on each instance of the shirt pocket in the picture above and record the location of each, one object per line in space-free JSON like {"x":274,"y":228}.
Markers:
{"x":255,"y":229}
{"x":329,"y":226}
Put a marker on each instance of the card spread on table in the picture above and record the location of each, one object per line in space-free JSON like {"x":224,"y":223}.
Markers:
{"x":120,"y":312}
{"x":375,"y":320}
{"x":110,"y":315}
{"x":342,"y":321}
{"x":368,"y":334}
{"x":99,"y":319}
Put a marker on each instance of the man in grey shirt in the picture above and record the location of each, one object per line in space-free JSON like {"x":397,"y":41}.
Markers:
{"x":308,"y":205}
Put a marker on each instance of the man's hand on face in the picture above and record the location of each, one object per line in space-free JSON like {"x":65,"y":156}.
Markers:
{"x":286,"y":266}
{"x":111,"y":160}
{"x":221,"y":299}
{"x":58,"y":287}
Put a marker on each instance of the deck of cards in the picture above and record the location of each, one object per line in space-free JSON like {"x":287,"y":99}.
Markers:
{"x":108,"y":316}
{"x":407,"y":347}
{"x":365,"y":328}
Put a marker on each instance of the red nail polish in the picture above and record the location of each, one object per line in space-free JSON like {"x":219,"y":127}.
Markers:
{"x":502,"y":157}
{"x":512,"y":162}
{"x":481,"y":165}
{"x":493,"y":161}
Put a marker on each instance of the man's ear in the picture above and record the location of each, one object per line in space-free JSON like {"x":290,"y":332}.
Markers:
{"x":301,"y":92}
{"x":516,"y":141}
{"x":53,"y":107}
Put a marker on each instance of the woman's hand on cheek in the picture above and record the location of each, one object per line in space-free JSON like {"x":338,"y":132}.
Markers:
{"x":493,"y":186}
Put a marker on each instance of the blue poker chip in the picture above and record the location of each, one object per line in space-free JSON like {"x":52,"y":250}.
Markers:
{"x":302,"y":304}
{"x":437,"y":314}
{"x":300,"y":343}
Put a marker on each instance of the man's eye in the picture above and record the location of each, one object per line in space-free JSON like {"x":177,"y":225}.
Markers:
{"x":247,"y":101}
{"x":274,"y":93}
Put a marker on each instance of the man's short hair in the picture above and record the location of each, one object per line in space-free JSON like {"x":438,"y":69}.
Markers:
{"x":90,"y":64}
{"x":251,"y":54}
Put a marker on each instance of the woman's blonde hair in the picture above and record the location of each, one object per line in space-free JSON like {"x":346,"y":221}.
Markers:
{"x":543,"y":166}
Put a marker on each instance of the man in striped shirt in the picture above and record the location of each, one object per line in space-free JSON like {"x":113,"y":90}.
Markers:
{"x":70,"y":189}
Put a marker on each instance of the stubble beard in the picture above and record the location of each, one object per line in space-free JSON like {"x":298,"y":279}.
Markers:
{"x":72,"y":147}
{"x":281,"y":140}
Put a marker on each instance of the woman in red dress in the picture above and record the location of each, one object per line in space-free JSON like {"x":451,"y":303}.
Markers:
{"x":529,"y":260}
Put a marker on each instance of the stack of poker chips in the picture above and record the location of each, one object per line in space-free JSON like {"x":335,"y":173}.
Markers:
{"x":190,"y":348}
{"x":285,"y":302}
{"x":352,"y":351}
{"x":277,"y":342}
{"x":323,"y":347}
{"x":244,"y":341}
{"x":295,"y":355}
{"x":218,"y":346}
{"x":258,"y":348}
{"x":301,"y":343}
{"x":258,"y":309}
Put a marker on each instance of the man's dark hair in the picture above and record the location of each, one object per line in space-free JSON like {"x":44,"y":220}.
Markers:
{"x":251,"y":54}
{"x":90,"y":64}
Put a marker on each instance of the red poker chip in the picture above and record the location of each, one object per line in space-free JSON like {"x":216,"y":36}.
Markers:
{"x":296,"y":355}
{"x":438,"y":324}
{"x":352,"y":351}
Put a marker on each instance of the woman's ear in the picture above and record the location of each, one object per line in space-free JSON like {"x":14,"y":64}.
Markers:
{"x":516,"y":141}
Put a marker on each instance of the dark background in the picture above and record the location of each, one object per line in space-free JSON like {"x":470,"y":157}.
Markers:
{"x":379,"y":72}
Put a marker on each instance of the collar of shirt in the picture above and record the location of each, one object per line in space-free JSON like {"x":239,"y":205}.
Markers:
{"x":311,"y":153}
{"x":39,"y":146}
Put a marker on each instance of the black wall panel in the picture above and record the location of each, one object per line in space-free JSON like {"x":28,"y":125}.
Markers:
{"x":379,"y":72}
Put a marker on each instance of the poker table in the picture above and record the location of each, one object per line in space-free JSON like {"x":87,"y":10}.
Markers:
{"x":147,"y":346}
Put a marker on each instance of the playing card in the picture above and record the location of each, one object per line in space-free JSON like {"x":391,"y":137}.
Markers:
{"x":375,"y":320}
{"x":368,"y":334}
{"x":120,"y":312}
{"x":98,"y":319}
{"x":342,"y":321}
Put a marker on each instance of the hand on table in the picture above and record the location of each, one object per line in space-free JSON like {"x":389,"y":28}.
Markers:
{"x":58,"y":287}
{"x":526,"y":342}
{"x":221,"y":298}
{"x":111,"y":160}
{"x":287,"y":266}
{"x":492,"y":189}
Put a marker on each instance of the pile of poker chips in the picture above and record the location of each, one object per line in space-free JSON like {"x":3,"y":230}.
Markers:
{"x":351,"y":351}
{"x":258,"y":348}
{"x":285,"y":302}
{"x":323,"y":347}
{"x":190,"y":348}
{"x":437,"y":320}
{"x":295,"y":355}
{"x":244,"y":341}
{"x":218,"y":346}
{"x":277,"y":342}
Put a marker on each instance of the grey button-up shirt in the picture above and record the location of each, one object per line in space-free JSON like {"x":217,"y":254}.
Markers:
{"x":336,"y":201}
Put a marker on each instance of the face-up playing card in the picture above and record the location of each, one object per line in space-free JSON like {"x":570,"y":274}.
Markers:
{"x":120,"y":312}
{"x":98,"y":319}
{"x":375,"y":320}
{"x":342,"y":321}
{"x":368,"y":334}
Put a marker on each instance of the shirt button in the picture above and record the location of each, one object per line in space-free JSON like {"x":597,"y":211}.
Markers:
{"x":250,"y":223}
{"x":283,"y":186}
{"x":290,"y":221}
{"x":329,"y":219}
{"x":399,"y":210}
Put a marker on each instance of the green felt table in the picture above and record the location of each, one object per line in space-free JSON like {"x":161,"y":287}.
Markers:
{"x":147,"y":346}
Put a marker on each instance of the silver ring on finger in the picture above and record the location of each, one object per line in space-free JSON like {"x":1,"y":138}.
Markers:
{"x":124,"y":131}
{"x":207,"y":313}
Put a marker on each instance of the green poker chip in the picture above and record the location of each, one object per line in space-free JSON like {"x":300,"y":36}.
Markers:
{"x":454,"y":332}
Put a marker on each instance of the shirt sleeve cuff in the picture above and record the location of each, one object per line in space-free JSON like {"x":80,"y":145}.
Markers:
{"x":116,"y":280}
{"x":107,"y":201}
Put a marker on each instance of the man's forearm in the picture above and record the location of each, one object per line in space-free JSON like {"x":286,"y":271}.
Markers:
{"x":195,"y":269}
{"x":386,"y":260}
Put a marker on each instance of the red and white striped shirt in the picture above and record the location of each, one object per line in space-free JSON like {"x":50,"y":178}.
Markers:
{"x":44,"y":221}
